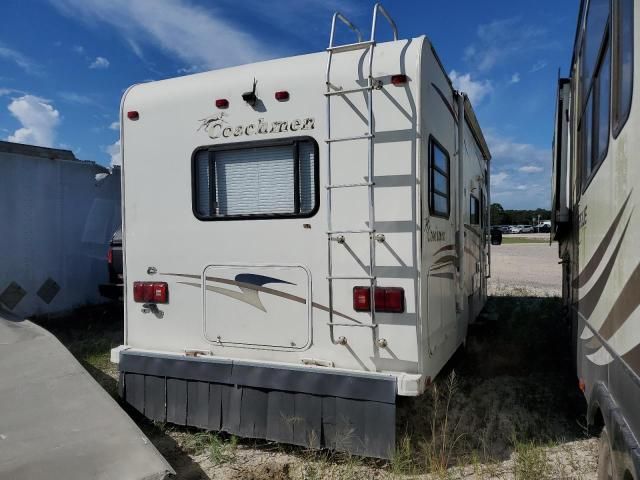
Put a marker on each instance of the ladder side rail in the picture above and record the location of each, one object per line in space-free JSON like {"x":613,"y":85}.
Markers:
{"x":345,"y":20}
{"x":370,"y":189}
{"x":379,"y":8}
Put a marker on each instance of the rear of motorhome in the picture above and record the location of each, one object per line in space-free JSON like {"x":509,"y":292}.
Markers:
{"x":594,"y":220}
{"x":305,"y":240}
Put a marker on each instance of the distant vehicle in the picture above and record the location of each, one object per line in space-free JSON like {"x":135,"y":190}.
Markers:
{"x":496,"y":235}
{"x":597,"y":225}
{"x":527,"y":229}
{"x":113,"y":289}
{"x":515,"y":228}
{"x":543,"y":227}
{"x":504,"y":228}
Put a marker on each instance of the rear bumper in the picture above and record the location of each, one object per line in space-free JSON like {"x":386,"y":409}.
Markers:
{"x":309,"y":406}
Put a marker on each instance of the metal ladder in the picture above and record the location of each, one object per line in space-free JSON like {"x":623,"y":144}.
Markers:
{"x":369,"y":136}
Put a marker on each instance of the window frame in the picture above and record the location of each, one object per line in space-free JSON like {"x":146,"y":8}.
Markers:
{"x":594,"y":88}
{"x":618,"y":121}
{"x":433,"y":143}
{"x":293,"y":141}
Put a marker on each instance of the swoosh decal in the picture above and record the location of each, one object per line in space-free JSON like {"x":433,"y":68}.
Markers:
{"x":587,"y":304}
{"x":633,"y":359}
{"x":625,"y":304}
{"x":598,"y":255}
{"x":445,"y":259}
{"x":446,"y":247}
{"x":247,"y":286}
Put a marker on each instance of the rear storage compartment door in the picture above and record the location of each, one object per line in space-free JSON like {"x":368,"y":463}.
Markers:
{"x":257,"y":305}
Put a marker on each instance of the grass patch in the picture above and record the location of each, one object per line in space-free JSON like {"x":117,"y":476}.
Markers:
{"x":506,"y":240}
{"x":218,"y":450}
{"x":531,"y":462}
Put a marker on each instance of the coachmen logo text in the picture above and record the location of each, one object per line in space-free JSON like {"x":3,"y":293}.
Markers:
{"x":216,"y":126}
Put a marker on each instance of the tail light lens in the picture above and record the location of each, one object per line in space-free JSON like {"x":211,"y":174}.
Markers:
{"x":388,"y":299}
{"x":110,"y":256}
{"x":399,"y":79}
{"x":150,"y":292}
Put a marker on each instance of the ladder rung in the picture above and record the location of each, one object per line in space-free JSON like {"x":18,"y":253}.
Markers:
{"x":350,"y":46}
{"x":350,"y":90}
{"x":349,"y":185}
{"x":344,"y":139}
{"x":365,"y":230}
{"x":349,"y":277}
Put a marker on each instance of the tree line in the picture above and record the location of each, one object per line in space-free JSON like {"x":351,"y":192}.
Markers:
{"x":500,"y":216}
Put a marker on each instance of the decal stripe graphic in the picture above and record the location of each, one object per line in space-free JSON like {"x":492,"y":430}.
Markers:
{"x":598,"y":255}
{"x":249,"y":299}
{"x":633,"y":359}
{"x":626,"y":303}
{"x":446,"y":247}
{"x":589,"y":301}
{"x":445,"y":259}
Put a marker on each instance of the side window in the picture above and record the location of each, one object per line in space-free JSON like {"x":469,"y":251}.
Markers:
{"x":474,"y":211}
{"x":256,"y":179}
{"x":439,"y":180}
{"x":623,"y":62}
{"x":595,"y":78}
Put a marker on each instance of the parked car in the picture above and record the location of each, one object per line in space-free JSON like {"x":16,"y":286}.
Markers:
{"x":527,"y":229}
{"x":504,"y":228}
{"x":114,"y":289}
{"x":543,"y":228}
{"x":515,"y":229}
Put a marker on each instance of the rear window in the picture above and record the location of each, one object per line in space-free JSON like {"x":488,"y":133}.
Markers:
{"x":256,"y":180}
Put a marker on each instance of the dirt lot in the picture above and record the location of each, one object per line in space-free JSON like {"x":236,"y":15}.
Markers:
{"x":505,"y":407}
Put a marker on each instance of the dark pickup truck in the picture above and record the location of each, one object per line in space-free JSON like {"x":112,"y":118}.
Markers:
{"x":114,"y":288}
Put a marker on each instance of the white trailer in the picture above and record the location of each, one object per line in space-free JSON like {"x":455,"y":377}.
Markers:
{"x":263,"y":203}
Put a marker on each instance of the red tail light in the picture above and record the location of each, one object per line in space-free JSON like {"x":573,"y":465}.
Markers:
{"x":150,"y":292}
{"x":110,"y":256}
{"x":399,"y":79}
{"x":222,"y":103}
{"x":282,"y":95}
{"x":388,"y":299}
{"x":133,"y":115}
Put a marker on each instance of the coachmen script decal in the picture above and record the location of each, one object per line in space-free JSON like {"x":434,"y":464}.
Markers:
{"x":216,"y":126}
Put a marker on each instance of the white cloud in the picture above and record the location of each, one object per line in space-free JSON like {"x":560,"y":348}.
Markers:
{"x":19,"y":59}
{"x":78,"y":49}
{"x":515,"y":163}
{"x":502,"y":39}
{"x":196,"y":35}
{"x":531,"y":169}
{"x":114,"y":151}
{"x":80,"y":99}
{"x":475,"y":89}
{"x":190,"y":70}
{"x":115,"y":126}
{"x":499,"y":178}
{"x":99,"y":63}
{"x":539,"y":65}
{"x":515,"y":78}
{"x":38,"y":118}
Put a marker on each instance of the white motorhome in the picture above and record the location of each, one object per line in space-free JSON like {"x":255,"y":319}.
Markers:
{"x":263,"y":204}
{"x":594,"y":221}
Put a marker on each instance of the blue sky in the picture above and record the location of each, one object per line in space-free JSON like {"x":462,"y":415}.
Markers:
{"x":64,"y":64}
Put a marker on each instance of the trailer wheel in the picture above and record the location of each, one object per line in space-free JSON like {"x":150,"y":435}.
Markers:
{"x":606,"y":468}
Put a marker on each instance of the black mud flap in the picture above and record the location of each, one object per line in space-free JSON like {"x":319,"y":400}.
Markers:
{"x":304,"y":406}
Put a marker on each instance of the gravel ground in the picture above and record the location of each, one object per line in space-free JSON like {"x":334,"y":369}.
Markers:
{"x":530,"y":266}
{"x":507,"y":407}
